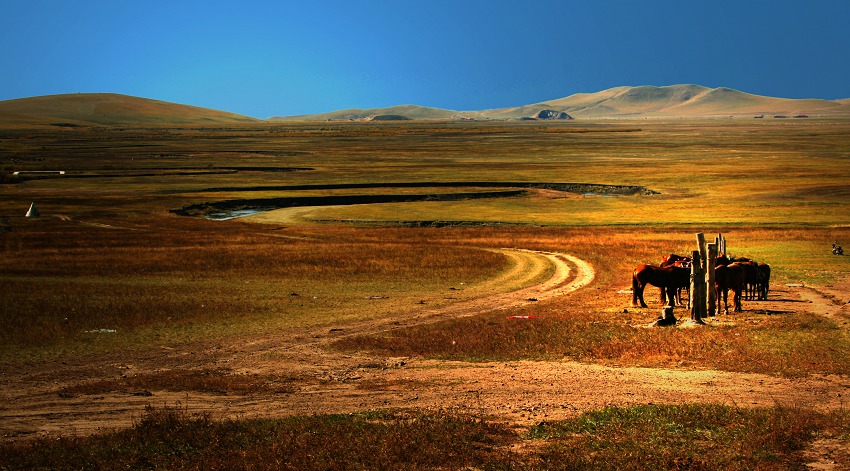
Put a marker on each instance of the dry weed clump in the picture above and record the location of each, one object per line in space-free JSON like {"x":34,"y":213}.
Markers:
{"x":176,"y":439}
{"x":694,"y":436}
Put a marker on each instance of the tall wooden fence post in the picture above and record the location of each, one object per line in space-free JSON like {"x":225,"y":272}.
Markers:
{"x":697,"y":289}
{"x":712,"y":293}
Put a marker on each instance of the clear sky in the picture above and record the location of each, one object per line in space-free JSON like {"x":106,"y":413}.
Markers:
{"x":273,"y":58}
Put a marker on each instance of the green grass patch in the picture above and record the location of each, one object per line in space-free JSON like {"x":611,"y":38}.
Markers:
{"x":693,"y":436}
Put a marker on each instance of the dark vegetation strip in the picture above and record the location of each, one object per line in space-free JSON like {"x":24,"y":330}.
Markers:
{"x":175,"y":439}
{"x":159,"y":171}
{"x":645,"y":437}
{"x":425,"y":223}
{"x":211,"y":381}
{"x":580,"y":188}
{"x":278,"y":203}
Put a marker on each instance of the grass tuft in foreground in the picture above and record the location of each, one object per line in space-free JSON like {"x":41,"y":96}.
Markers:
{"x":175,"y":439}
{"x":694,"y":436}
{"x":689,"y":436}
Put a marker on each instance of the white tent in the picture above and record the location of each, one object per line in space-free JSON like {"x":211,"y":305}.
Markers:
{"x":33,"y":212}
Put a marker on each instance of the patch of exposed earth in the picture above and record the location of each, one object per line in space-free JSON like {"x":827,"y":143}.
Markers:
{"x":518,"y":393}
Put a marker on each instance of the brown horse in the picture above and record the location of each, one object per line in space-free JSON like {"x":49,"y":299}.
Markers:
{"x":763,"y":281}
{"x":729,"y":277}
{"x":674,"y":260}
{"x":669,"y":279}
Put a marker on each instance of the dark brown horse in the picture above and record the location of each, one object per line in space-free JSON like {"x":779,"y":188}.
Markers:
{"x":751,"y":276}
{"x":729,"y":277}
{"x":673,"y":259}
{"x":763,"y":281}
{"x":669,"y":279}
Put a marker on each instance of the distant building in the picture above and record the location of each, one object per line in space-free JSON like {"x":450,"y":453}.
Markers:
{"x":39,"y":172}
{"x":33,"y":211}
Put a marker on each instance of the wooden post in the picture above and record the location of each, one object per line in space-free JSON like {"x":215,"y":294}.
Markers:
{"x":702,"y":248}
{"x":703,"y":256}
{"x":697,"y":289}
{"x":712,"y":293}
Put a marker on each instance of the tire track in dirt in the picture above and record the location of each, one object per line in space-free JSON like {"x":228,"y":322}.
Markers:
{"x":34,"y":408}
{"x":520,"y":393}
{"x":568,"y":273}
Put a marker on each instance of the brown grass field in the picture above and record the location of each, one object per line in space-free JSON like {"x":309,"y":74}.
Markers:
{"x":401,"y":309}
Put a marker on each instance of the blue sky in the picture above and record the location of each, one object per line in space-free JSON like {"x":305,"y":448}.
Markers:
{"x":267,"y":58}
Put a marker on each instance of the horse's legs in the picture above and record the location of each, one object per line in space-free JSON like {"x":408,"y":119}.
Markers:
{"x":736,"y":296}
{"x":671,"y":295}
{"x":722,"y":295}
{"x":639,"y":292}
{"x":640,"y":295}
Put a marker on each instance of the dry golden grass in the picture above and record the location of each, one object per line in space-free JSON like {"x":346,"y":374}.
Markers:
{"x":598,"y":324}
{"x":63,"y":279}
{"x":108,"y":255}
{"x":636,"y":438}
{"x":104,"y":257}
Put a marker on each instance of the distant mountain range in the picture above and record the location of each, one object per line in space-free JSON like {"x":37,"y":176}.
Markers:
{"x":674,"y":101}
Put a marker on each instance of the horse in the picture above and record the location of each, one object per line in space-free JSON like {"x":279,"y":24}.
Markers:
{"x":667,"y":278}
{"x":763,"y":281}
{"x":729,"y":277}
{"x":722,"y":261}
{"x":674,"y":260}
{"x":751,"y":278}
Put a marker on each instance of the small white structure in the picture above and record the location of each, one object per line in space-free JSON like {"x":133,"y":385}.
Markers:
{"x":39,"y":172}
{"x":33,"y":211}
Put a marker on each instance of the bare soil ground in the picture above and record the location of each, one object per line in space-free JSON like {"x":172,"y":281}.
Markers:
{"x":323,"y":381}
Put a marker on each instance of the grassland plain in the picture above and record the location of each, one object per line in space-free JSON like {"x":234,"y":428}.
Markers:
{"x":111,"y":302}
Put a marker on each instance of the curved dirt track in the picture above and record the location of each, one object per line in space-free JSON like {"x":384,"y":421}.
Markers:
{"x":33,"y":406}
{"x":519,"y":393}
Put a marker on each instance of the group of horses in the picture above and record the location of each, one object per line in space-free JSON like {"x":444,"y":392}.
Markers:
{"x":746,"y":279}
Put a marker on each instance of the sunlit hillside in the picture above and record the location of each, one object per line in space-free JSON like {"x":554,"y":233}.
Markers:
{"x":674,"y":101}
{"x":107,"y":109}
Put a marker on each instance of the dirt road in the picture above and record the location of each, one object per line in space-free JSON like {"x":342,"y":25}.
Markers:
{"x":519,"y":393}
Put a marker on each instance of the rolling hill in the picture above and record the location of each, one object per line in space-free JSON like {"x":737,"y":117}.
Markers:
{"x":85,"y":109}
{"x":674,"y":101}
{"x":409,"y":111}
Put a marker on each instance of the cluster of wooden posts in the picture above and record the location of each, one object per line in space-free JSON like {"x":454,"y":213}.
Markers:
{"x":703,"y":294}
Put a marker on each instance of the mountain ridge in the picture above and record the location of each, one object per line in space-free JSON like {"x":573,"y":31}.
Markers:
{"x":673,"y":101}
{"x":624,"y":102}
